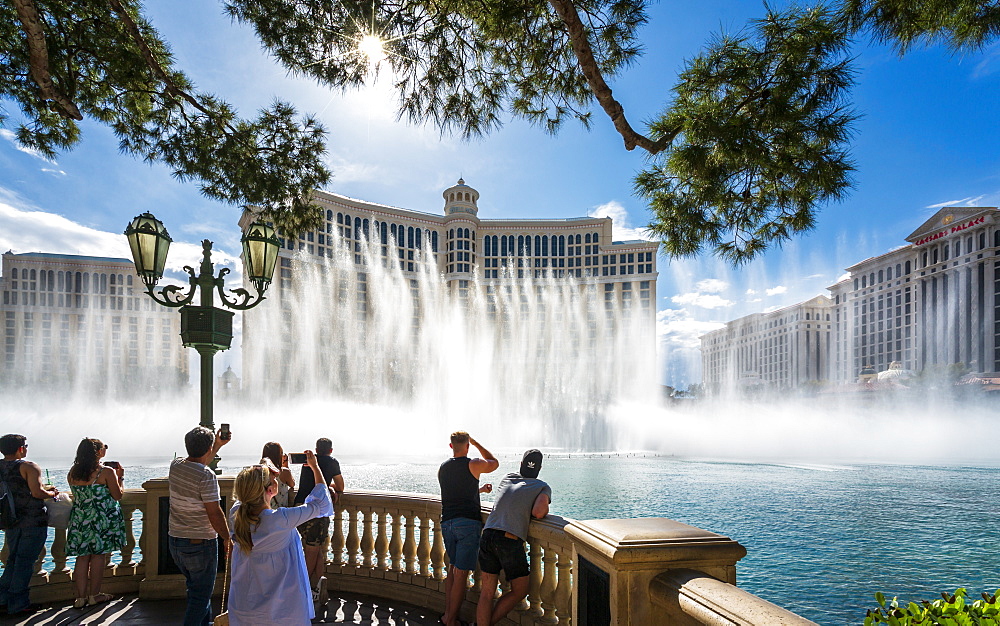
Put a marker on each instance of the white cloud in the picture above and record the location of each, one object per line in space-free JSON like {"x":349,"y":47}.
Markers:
{"x":621,"y":225}
{"x":675,"y":328}
{"x":12,"y":138}
{"x":345,"y":171}
{"x":843,"y":277}
{"x":703,"y":300}
{"x":24,"y":228}
{"x":751,"y":292}
{"x":774,"y":291}
{"x":968,"y":201}
{"x":711,"y":285}
{"x":53,"y":172}
{"x":752,"y":300}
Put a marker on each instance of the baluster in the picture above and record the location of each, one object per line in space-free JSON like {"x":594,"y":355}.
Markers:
{"x":381,"y":543}
{"x":549,"y":587}
{"x":535,"y":582}
{"x":353,"y":539}
{"x":142,"y":538}
{"x":410,"y":546}
{"x":396,"y":542}
{"x":564,"y":595}
{"x":367,"y":541}
{"x":128,"y":512}
{"x":59,"y":551}
{"x":39,"y":569}
{"x":337,"y":541}
{"x":437,"y":555}
{"x":424,"y":548}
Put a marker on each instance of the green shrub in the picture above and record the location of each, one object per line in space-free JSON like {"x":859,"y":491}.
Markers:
{"x":952,"y":610}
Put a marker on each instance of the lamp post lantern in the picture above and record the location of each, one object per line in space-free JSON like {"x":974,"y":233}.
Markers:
{"x":205,"y":327}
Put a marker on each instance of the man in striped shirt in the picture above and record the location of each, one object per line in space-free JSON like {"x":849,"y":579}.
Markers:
{"x":197,"y":522}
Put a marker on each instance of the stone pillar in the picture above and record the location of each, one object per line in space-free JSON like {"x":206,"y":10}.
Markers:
{"x":624,"y":555}
{"x":162,"y":579}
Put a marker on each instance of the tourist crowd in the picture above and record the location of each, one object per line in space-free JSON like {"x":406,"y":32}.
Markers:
{"x":277,"y":543}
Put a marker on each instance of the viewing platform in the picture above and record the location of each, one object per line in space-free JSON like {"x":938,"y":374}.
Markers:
{"x":387,"y":547}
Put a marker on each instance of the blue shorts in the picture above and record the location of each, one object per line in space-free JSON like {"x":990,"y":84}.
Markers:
{"x":461,"y":542}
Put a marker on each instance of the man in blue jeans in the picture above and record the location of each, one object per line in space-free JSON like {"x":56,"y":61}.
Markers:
{"x":197,"y":521}
{"x":461,"y":517}
{"x":26,"y":539}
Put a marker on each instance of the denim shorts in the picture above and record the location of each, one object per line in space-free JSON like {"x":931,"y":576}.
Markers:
{"x":461,"y":541}
{"x":498,"y":552}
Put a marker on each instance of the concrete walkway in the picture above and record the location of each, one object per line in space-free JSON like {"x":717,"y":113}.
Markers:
{"x":128,"y":610}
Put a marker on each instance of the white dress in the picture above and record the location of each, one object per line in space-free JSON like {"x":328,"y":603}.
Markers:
{"x":270,"y":585}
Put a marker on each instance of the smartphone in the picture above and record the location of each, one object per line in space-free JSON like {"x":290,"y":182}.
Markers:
{"x":113,"y":464}
{"x":224,"y":433}
{"x":297,"y":458}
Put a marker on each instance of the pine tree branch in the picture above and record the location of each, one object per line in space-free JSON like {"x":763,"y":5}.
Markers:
{"x":588,"y":65}
{"x":38,"y":61}
{"x":154,"y":65}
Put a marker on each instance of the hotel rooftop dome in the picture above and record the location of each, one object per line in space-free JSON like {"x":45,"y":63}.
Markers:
{"x":461,"y":198}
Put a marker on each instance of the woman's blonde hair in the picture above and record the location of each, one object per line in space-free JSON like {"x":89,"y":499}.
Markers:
{"x":249,"y":488}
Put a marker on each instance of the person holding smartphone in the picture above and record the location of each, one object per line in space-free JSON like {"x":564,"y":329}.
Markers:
{"x":316,"y":532}
{"x":269,"y":580}
{"x":96,"y":525}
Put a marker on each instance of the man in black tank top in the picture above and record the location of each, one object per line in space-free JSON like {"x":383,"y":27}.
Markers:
{"x":461,"y":517}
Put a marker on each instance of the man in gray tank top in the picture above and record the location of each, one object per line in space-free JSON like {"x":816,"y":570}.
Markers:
{"x":521,"y":497}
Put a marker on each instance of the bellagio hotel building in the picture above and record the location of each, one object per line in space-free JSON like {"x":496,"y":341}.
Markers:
{"x":470,"y":252}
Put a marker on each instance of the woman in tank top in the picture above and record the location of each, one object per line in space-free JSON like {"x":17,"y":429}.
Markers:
{"x":96,"y":526}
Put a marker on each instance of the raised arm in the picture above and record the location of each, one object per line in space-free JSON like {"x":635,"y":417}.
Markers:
{"x":112,"y":479}
{"x":485,"y":465}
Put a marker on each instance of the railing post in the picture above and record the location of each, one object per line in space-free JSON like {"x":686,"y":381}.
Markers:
{"x":535,"y":582}
{"x":549,"y":588}
{"x":410,"y":545}
{"x":614,"y":561}
{"x":381,"y":543}
{"x":437,"y":554}
{"x":353,"y":540}
{"x":396,"y":542}
{"x":337,"y":543}
{"x":424,"y":548}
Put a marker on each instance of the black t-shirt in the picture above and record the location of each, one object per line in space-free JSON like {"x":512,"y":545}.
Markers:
{"x":459,"y":490}
{"x":328,"y":465}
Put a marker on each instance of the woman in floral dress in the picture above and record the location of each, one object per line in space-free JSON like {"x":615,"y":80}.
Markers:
{"x":96,"y":526}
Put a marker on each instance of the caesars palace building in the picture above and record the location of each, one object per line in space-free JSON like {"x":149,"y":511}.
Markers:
{"x":933,"y":302}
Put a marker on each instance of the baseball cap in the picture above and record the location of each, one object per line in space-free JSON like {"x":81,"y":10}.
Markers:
{"x":531,"y":463}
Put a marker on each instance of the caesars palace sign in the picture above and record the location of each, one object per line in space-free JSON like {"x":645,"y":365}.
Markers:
{"x":954,"y":229}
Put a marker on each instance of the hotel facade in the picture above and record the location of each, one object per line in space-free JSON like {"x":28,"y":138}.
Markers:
{"x":932,"y":302}
{"x":78,"y":323}
{"x":468,"y":258}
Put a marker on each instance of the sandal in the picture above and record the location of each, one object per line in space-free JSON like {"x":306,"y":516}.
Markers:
{"x":99,"y":598}
{"x":79,"y":603}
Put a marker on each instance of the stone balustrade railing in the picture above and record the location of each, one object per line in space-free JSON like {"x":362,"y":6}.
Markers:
{"x":649,"y":571}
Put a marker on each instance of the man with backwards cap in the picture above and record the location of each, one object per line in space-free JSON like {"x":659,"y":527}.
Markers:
{"x":521,"y":497}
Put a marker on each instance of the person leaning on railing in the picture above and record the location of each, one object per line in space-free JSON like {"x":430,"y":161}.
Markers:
{"x":269,"y":581}
{"x":521,"y":497}
{"x":25,"y":539}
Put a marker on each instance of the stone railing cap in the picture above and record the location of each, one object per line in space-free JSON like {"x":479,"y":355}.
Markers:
{"x":647,"y":531}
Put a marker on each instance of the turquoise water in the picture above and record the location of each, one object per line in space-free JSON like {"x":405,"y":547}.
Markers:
{"x":821,"y":539}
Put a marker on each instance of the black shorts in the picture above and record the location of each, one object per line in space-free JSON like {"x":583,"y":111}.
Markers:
{"x":497,"y":552}
{"x":315,"y":532}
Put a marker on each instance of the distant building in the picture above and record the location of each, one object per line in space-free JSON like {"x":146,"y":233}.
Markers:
{"x":783,"y":348}
{"x":76,"y":322}
{"x":932,"y":302}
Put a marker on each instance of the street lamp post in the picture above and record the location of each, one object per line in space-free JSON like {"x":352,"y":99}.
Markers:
{"x":206,"y":328}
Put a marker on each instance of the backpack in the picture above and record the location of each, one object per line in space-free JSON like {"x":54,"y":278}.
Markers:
{"x":8,"y":513}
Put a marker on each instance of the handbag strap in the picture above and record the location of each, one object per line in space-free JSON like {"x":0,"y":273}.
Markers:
{"x":225,"y":578}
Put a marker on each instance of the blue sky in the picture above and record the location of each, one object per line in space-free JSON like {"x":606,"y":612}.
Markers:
{"x":928,"y":138}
